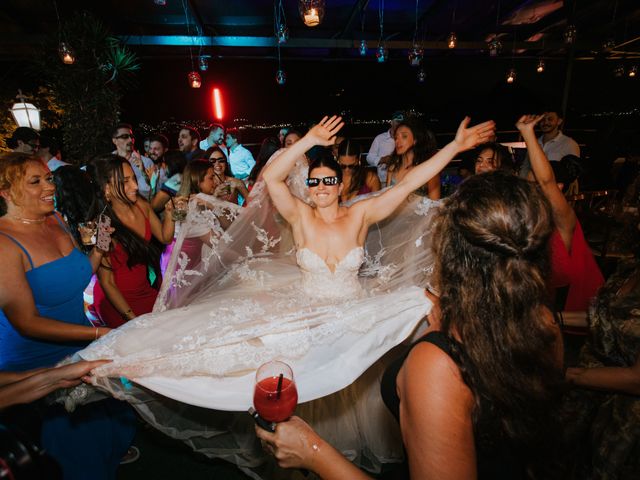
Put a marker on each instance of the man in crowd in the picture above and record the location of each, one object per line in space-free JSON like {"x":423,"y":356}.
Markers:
{"x":143,"y":167}
{"x":240,"y":159}
{"x":188,"y":141}
{"x":49,"y":153}
{"x":384,"y":145}
{"x":158,"y":146}
{"x":215,"y":139}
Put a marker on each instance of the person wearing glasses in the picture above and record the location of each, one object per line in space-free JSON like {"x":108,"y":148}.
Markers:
{"x":24,"y":140}
{"x":143,"y":167}
{"x":357,"y":179}
{"x":227,"y":186}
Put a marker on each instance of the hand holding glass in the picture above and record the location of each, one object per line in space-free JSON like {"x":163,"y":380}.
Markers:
{"x":275,"y":396}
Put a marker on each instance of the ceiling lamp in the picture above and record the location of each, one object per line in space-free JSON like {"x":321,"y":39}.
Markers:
{"x":194,"y":80}
{"x":160,"y":3}
{"x":203,"y":63}
{"x":282,"y":34}
{"x":511,"y":75}
{"x":569,"y":34}
{"x":633,"y":71}
{"x":495,"y":46}
{"x":363,"y":48}
{"x":618,"y":71}
{"x":382,"y":53}
{"x":422,"y":76}
{"x":311,"y":11}
{"x":281,"y":77}
{"x":25,"y":114}
{"x":452,"y":40}
{"x":540,"y":67}
{"x":66,"y":53}
{"x":415,"y":55}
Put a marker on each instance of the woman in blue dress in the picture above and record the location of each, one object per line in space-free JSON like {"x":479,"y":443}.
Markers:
{"x":42,"y":320}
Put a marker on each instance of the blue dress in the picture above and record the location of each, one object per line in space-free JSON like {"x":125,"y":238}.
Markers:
{"x":88,"y":443}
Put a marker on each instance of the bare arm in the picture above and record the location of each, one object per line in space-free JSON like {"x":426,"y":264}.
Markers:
{"x":373,"y":182}
{"x":16,"y":301}
{"x":619,"y":379}
{"x":276,"y":172}
{"x":242,"y":189}
{"x":160,"y":199}
{"x":112,"y":292}
{"x":439,"y":446}
{"x":162,"y":230}
{"x":38,"y":383}
{"x":296,"y":445}
{"x":563,"y":214}
{"x":380,"y":207}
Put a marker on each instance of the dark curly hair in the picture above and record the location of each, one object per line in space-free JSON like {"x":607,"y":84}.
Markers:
{"x":424,"y":148}
{"x":491,"y":245}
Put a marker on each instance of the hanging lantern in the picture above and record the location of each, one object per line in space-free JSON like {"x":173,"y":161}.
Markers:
{"x":608,"y":45}
{"x":311,"y":11}
{"x":281,"y":77}
{"x":422,"y":76}
{"x":66,"y":53}
{"x":160,"y":3}
{"x":618,"y":71}
{"x":540,"y":67}
{"x":203,"y":63}
{"x":633,"y":71}
{"x":363,"y":48}
{"x":194,"y":79}
{"x":495,"y":46}
{"x":452,"y":40}
{"x":569,"y":34}
{"x":382,"y":53}
{"x":25,"y":114}
{"x":415,"y":55}
{"x":511,"y":75}
{"x":282,"y":33}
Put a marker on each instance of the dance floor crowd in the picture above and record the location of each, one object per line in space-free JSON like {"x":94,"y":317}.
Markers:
{"x":415,"y":297}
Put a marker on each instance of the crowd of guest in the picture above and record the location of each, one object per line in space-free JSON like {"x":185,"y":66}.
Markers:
{"x":511,"y":253}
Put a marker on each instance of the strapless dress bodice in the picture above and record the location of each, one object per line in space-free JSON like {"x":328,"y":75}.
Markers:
{"x":320,"y":281}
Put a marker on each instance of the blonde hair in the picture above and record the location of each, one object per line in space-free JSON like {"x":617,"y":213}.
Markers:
{"x":13,"y":167}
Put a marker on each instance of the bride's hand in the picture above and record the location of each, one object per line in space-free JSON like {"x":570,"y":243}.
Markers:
{"x":467,"y":138}
{"x":324,"y":133}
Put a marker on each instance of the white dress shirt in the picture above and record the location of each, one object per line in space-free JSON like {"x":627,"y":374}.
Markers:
{"x":382,"y":146}
{"x":559,"y":147}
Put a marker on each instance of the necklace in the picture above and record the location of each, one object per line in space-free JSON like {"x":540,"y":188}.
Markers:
{"x":28,"y":221}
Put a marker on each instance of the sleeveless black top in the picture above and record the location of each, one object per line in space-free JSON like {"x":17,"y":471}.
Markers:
{"x":496,"y":461}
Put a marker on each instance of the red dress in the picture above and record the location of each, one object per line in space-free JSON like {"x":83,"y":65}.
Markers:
{"x":133,"y":283}
{"x":576,"y":268}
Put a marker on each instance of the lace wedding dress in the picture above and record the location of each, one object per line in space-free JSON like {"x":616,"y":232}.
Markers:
{"x":237,"y":296}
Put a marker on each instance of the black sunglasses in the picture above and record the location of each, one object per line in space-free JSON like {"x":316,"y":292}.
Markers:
{"x":351,"y":166}
{"x":314,"y":182}
{"x":218,"y":160}
{"x":124,"y":136}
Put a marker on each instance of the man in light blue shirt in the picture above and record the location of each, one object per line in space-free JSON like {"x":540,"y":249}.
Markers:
{"x":240,"y":159}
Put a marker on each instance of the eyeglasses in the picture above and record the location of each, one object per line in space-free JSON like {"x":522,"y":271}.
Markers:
{"x":124,"y":136}
{"x":351,"y":166}
{"x":218,"y":159}
{"x":314,"y":182}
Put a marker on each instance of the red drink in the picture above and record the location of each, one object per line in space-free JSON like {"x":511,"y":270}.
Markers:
{"x":271,"y":406}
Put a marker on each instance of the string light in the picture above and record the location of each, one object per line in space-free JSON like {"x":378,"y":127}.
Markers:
{"x":66,"y":53}
{"x":203,"y":63}
{"x":618,"y":71}
{"x":608,"y":45}
{"x":511,"y":75}
{"x":495,"y":46}
{"x":280,"y":23}
{"x":541,"y":66}
{"x":382,"y":53}
{"x":633,"y":71}
{"x":422,"y":76}
{"x":452,"y":40}
{"x":415,"y":55}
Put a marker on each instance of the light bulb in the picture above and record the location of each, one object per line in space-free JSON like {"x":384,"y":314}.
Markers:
{"x":382,"y":54}
{"x":194,"y":79}
{"x":66,"y":53}
{"x":511,"y":75}
{"x":363,"y":48}
{"x":203,"y":63}
{"x":541,"y":66}
{"x":281,"y":77}
{"x":282,"y":34}
{"x":608,"y":45}
{"x":422,"y":76}
{"x":618,"y":71}
{"x":452,"y":40}
{"x":415,"y":55}
{"x":633,"y":71}
{"x":495,"y":46}
{"x":311,"y":12}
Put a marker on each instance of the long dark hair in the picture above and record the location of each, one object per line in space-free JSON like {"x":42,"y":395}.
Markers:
{"x":109,"y":170}
{"x":424,"y":148}
{"x":75,"y":198}
{"x":351,"y":148}
{"x":491,"y":245}
{"x":215,"y":148}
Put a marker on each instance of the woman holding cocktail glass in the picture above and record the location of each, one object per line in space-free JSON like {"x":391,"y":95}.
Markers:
{"x":227,"y":186}
{"x":129,"y":275}
{"x":42,"y":278}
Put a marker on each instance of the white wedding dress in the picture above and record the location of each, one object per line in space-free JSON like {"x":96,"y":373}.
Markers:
{"x":250,"y":299}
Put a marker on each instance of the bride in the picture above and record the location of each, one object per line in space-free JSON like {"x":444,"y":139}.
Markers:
{"x":330,"y":311}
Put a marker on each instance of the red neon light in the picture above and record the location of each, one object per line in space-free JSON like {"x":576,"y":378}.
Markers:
{"x":217,"y":104}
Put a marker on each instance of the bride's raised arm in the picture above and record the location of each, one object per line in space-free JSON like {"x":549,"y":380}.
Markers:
{"x":378,"y":208}
{"x":275,"y":174}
